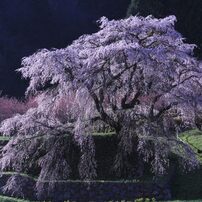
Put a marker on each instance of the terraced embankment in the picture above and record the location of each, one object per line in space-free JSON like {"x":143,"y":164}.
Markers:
{"x":185,"y":186}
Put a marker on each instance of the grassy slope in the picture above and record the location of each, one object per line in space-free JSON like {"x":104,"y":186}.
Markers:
{"x":194,"y":138}
{"x":188,"y":186}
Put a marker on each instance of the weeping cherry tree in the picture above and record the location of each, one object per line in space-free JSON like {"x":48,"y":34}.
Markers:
{"x":129,"y":76}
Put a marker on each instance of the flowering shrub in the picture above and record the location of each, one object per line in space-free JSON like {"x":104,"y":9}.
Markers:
{"x":12,"y":106}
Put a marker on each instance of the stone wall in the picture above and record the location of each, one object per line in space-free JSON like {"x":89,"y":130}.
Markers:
{"x":108,"y":191}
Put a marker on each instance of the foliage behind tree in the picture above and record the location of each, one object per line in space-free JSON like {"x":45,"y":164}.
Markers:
{"x":12,"y":106}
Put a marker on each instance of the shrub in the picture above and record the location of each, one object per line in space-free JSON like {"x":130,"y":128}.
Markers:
{"x":11,"y":106}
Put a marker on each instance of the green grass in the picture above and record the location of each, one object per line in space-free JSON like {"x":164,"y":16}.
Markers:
{"x":7,"y":138}
{"x":4,"y":138}
{"x":194,"y":139}
{"x":188,"y":186}
{"x":75,"y":181}
{"x":11,"y":199}
{"x":104,"y":134}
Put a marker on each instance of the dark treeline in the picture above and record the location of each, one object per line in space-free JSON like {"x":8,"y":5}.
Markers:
{"x":29,"y":25}
{"x":188,"y":13}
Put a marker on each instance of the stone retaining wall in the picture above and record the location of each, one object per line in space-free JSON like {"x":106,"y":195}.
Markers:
{"x":94,"y":191}
{"x":100,"y":192}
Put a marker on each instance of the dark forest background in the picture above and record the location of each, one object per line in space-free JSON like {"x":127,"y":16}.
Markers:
{"x":29,"y":25}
